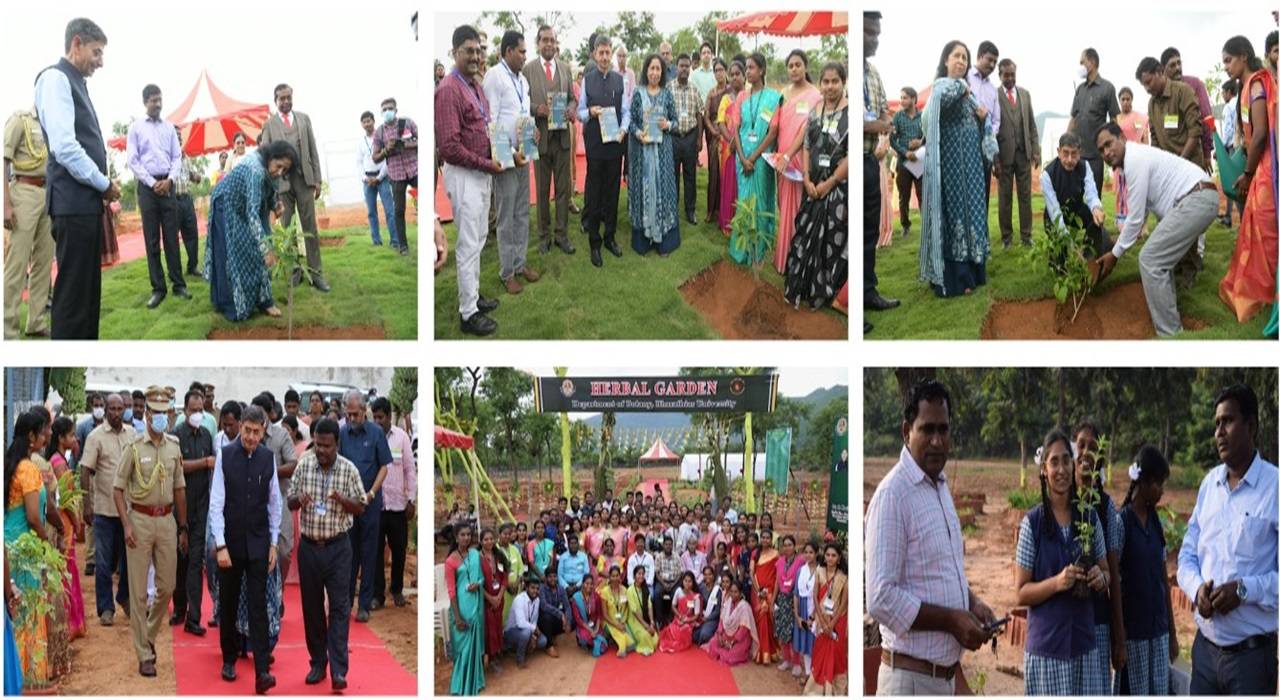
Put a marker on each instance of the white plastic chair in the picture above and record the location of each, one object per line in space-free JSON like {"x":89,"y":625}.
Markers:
{"x":442,"y":608}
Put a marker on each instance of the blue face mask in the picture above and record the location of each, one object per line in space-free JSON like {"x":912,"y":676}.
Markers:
{"x":160,"y":422}
{"x":389,"y":115}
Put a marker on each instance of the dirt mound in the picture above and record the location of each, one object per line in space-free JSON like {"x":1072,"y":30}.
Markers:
{"x":740,"y":307}
{"x":300,"y":333}
{"x":1119,"y":313}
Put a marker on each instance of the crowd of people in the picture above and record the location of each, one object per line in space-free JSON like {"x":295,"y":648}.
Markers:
{"x":783,"y":154}
{"x":177,"y":496}
{"x":1161,"y":163}
{"x":1095,"y":602}
{"x":643,"y":575}
{"x":59,"y":201}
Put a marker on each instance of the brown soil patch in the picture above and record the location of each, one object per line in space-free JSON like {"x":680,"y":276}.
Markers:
{"x":299,"y":333}
{"x":1119,"y":313}
{"x":740,"y":307}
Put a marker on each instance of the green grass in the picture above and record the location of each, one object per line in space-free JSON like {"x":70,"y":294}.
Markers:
{"x":371,"y":286}
{"x":924,"y":316}
{"x":629,"y":298}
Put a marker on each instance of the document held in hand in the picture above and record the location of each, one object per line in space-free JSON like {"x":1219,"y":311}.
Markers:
{"x":609,"y":128}
{"x":500,"y":144}
{"x":527,"y":128}
{"x":651,"y":127}
{"x":556,"y":121}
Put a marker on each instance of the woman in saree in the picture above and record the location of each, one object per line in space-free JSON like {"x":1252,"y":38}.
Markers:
{"x":784,"y":613}
{"x":619,"y":533}
{"x":12,"y":659}
{"x":799,"y":99}
{"x":595,"y":537}
{"x":757,"y":136}
{"x":764,"y":576}
{"x":830,"y":628}
{"x":1272,"y":329}
{"x":686,"y":606}
{"x":818,"y":266}
{"x":736,"y":639}
{"x":954,"y":242}
{"x":588,"y":617}
{"x":1250,"y":283}
{"x":714,"y":591}
{"x":640,"y":623}
{"x":63,"y":442}
{"x":464,"y":579}
{"x":710,"y":121}
{"x":651,"y":175}
{"x":493,"y":565}
{"x":727,"y":117}
{"x":544,"y":552}
{"x":617,"y":613}
{"x":607,"y":560}
{"x":25,"y":506}
{"x":238,"y":254}
{"x":515,"y":565}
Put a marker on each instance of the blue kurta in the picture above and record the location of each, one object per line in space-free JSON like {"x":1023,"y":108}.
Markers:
{"x":758,"y":112}
{"x":651,"y":177}
{"x":235,"y":250}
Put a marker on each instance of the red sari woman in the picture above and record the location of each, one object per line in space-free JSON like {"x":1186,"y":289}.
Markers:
{"x":686,"y":605}
{"x":727,"y":118}
{"x":63,"y":441}
{"x":494,"y":566}
{"x":764,"y":576}
{"x":830,"y":627}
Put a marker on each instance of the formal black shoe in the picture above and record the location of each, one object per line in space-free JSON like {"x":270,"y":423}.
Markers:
{"x":213,"y":622}
{"x":319,"y":283}
{"x":156,"y":298}
{"x":315,"y":676}
{"x":693,"y":220}
{"x":177,"y":619}
{"x":566,"y":246}
{"x":486,"y":304}
{"x":479,"y":325}
{"x":147,"y":669}
{"x":182,"y":293}
{"x":271,"y":659}
{"x":362,"y":615}
{"x":263,"y":683}
{"x":866,"y":327}
{"x":595,"y":258}
{"x":194,"y":628}
{"x":399,"y":600}
{"x":228,"y":672}
{"x":404,"y":251}
{"x":612,"y":247}
{"x":875,"y":302}
{"x":339,"y":683}
{"x":88,"y":569}
{"x":377,"y":604}
{"x":196,"y":274}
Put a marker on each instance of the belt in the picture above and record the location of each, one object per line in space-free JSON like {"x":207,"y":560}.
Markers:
{"x":682,"y":134}
{"x":369,"y":173}
{"x":336,"y":539}
{"x":1201,"y":186}
{"x":1257,"y":641}
{"x":159,"y":178}
{"x":910,"y":663}
{"x":30,"y":180}
{"x":153,"y":511}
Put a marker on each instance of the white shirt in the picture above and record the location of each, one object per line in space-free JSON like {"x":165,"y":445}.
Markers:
{"x":1156,"y":180}
{"x":732,"y":516}
{"x":641,"y":559}
{"x":804,"y":587}
{"x":523,"y":614}
{"x":365,"y":164}
{"x":508,"y":95}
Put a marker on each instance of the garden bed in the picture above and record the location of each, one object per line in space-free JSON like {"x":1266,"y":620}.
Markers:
{"x":368,"y":332}
{"x":740,"y":307}
{"x":1119,"y":313}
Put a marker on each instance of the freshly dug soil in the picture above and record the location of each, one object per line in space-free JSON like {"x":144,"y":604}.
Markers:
{"x":300,"y":333}
{"x":740,"y":307}
{"x":1119,"y":313}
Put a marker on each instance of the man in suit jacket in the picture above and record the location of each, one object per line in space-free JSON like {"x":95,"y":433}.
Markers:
{"x":547,"y":74}
{"x":301,"y":188}
{"x":1019,"y":153}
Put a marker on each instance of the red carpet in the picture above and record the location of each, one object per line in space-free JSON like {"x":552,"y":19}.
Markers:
{"x":373,"y":671}
{"x":690,"y":672}
{"x":646,"y":487}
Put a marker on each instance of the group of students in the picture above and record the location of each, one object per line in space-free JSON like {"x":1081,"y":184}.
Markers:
{"x":1094,"y":579}
{"x":610,"y":576}
{"x":783,"y":154}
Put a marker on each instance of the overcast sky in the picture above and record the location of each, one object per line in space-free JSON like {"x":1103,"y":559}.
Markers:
{"x":340,"y":61}
{"x":1047,"y":48}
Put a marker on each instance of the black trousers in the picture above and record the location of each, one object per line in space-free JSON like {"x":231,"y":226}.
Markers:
{"x":180,"y":593}
{"x":254,"y":571}
{"x":713,"y":176}
{"x":604,"y":180}
{"x":399,"y":195}
{"x":393,"y":531}
{"x":189,"y":231}
{"x":326,"y":570}
{"x":77,"y":293}
{"x":160,"y":225}
{"x":1216,"y":672}
{"x":685,"y":154}
{"x":870,"y":221}
{"x":550,"y":624}
{"x":195,"y":567}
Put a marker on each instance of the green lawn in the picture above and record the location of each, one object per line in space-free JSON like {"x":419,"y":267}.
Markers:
{"x":924,"y":316}
{"x":371,"y":286}
{"x":629,"y":298}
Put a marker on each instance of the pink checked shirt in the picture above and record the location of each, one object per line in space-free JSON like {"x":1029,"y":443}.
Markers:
{"x":401,"y":485}
{"x":915,"y":555}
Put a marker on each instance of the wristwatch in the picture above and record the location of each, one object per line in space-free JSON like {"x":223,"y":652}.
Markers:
{"x":1242,"y":592}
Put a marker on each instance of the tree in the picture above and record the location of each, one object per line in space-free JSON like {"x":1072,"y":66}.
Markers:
{"x":69,"y":382}
{"x":1010,"y":390}
{"x":821,"y":432}
{"x":726,"y":45}
{"x":505,"y":390}
{"x":404,"y":389}
{"x":635,"y":30}
{"x":600,"y":477}
{"x":527,"y":23}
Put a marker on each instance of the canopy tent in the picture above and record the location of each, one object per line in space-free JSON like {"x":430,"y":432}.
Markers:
{"x":215,"y":133}
{"x":693,"y":466}
{"x":787,"y":23}
{"x":659,"y":455}
{"x":451,"y":439}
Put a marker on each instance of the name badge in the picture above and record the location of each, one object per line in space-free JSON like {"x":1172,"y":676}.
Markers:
{"x":752,"y":137}
{"x":824,"y":161}
{"x":1171,"y":121}
{"x":684,"y":114}
{"x":320,"y":508}
{"x":829,"y":605}
{"x":802,"y":107}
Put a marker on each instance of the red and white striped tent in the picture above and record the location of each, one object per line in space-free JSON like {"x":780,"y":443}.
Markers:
{"x":215,"y":132}
{"x":659,"y":455}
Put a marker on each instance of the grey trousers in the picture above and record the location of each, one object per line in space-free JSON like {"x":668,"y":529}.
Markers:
{"x":896,"y":681}
{"x":1020,"y":173}
{"x":553,"y":166}
{"x":1214,"y":672}
{"x":1171,"y":239}
{"x":511,"y":197}
{"x":301,"y":199}
{"x":469,"y":195}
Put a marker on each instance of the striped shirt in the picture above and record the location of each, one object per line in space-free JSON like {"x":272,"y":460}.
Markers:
{"x":915,"y":555}
{"x":318,"y":483}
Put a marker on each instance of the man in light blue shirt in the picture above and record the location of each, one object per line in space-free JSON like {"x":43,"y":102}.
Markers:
{"x":1227,"y":564}
{"x":572,"y":567}
{"x":984,"y":91}
{"x":521,"y":633}
{"x":156,"y":162}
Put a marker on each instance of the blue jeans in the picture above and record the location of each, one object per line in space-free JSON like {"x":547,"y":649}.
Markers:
{"x":108,"y":538}
{"x":371,"y":196}
{"x":364,"y":551}
{"x":518,"y":640}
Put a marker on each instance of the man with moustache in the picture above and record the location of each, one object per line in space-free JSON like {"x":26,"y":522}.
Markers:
{"x":546,"y":75}
{"x":100,"y":460}
{"x":155,"y":158}
{"x":985,"y":92}
{"x":301,"y":188}
{"x":1019,"y":153}
{"x":927,"y":614}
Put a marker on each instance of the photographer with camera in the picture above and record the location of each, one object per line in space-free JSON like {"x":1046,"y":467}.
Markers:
{"x":396,"y":144}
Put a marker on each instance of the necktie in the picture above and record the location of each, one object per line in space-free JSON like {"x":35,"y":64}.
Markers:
{"x":1013,"y":100}
{"x":287,"y":121}
{"x":547,"y":65}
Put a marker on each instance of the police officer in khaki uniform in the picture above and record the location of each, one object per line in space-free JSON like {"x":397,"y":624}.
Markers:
{"x":150,"y":478}
{"x":29,"y":246}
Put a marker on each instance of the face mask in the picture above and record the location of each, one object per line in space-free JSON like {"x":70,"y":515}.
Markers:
{"x":160,"y":422}
{"x":196,"y":419}
{"x":99,"y":412}
{"x":1082,"y":73}
{"x":389,"y":115}
{"x":128,"y":415}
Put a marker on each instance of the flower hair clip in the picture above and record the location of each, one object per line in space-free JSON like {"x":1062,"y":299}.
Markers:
{"x":1135,"y":472}
{"x":1039,"y":456}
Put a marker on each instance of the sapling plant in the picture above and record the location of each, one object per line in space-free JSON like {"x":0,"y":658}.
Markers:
{"x":1062,"y":255}
{"x":1088,"y":496}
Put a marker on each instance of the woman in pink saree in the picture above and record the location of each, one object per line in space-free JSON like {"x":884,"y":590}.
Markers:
{"x":798,"y":99}
{"x":735,"y":640}
{"x":728,"y":118}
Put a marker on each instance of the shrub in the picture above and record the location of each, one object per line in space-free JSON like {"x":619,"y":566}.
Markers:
{"x":1022,"y":499}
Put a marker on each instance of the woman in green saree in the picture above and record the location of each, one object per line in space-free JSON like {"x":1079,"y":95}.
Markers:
{"x":464,"y":578}
{"x":757,"y":135}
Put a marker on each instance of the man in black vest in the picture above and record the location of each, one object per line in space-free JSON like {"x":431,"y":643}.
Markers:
{"x":76,"y":183}
{"x":196,"y":443}
{"x":602,"y":89}
{"x":244,"y":515}
{"x":1069,"y":194}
